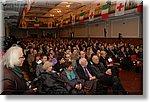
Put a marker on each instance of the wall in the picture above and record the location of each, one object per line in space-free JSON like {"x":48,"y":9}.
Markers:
{"x":129,"y":26}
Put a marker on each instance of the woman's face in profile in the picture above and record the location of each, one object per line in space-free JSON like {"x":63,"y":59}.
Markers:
{"x":21,"y":59}
{"x":50,"y":68}
{"x":70,"y":68}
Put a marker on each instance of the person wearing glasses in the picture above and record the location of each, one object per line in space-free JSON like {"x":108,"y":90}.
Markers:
{"x":13,"y":79}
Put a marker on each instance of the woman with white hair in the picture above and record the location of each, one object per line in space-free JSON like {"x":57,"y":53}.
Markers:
{"x":13,"y":78}
{"x":48,"y":82}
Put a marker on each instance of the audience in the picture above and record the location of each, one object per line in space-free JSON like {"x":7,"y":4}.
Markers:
{"x":68,"y":59}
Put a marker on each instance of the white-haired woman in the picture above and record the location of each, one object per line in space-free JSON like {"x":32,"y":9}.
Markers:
{"x":49,"y":82}
{"x":13,"y":78}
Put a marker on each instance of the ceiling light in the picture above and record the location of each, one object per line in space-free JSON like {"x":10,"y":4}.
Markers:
{"x":59,"y":11}
{"x":52,"y":15}
{"x":67,"y":5}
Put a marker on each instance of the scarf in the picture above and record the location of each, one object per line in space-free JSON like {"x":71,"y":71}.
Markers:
{"x":70,"y":76}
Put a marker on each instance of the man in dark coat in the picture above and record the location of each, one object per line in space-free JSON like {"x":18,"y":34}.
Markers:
{"x":84,"y":73}
{"x":105,"y":76}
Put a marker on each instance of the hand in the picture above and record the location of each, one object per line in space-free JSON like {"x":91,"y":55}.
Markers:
{"x":80,"y":86}
{"x":108,"y":72}
{"x":92,"y":78}
{"x":60,"y":69}
{"x":109,"y":65}
{"x":34,"y":89}
{"x":77,"y":86}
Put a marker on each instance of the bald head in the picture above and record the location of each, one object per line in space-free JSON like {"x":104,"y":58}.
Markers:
{"x":95,"y":59}
{"x":83,"y":62}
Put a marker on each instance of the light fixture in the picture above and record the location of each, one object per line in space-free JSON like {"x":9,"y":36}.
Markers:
{"x":68,"y":5}
{"x":59,"y":11}
{"x":52,"y":15}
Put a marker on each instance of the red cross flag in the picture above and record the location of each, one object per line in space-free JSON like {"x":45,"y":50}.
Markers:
{"x":120,"y":7}
{"x":91,"y":15}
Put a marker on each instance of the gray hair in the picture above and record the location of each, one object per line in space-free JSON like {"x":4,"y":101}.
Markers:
{"x":95,"y":56}
{"x":81,"y":60}
{"x":46,"y":65}
{"x":11,"y":57}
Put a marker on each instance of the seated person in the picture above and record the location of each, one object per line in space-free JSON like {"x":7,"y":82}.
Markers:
{"x":59,"y":66}
{"x":84,"y":74}
{"x":108,"y":63}
{"x":105,"y":76}
{"x":49,"y":82}
{"x":125,"y":61}
{"x":39,"y":68}
{"x":52,"y":59}
{"x":74,"y":84}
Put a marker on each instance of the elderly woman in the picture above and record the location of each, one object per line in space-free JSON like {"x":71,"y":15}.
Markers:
{"x":13,"y":79}
{"x":74,"y":84}
{"x":49,"y":82}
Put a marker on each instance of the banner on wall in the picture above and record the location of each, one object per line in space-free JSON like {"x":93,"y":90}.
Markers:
{"x":120,"y":7}
{"x":91,"y":15}
{"x":81,"y":17}
{"x":105,"y":9}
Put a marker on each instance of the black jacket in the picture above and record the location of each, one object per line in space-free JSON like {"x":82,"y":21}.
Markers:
{"x":81,"y":73}
{"x":98,"y":70}
{"x":49,"y":83}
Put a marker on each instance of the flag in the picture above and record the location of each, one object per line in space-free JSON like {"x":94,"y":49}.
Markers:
{"x":66,"y":21}
{"x":91,"y":15}
{"x":24,"y":24}
{"x":120,"y":7}
{"x":49,"y":24}
{"x":73,"y":19}
{"x":36,"y":24}
{"x":26,"y":9}
{"x":81,"y":18}
{"x":105,"y":11}
{"x":61,"y":23}
{"x":23,"y":14}
{"x":139,"y":6}
{"x":57,"y":23}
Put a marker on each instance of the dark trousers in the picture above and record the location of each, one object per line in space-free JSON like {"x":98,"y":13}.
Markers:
{"x":90,"y":87}
{"x":112,"y":81}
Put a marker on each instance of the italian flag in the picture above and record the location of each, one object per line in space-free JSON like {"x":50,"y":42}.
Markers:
{"x":49,"y":24}
{"x":24,"y":24}
{"x":73,"y":19}
{"x":61,"y":23}
{"x":26,"y":9}
{"x":36,"y":24}
{"x":91,"y":15}
{"x":139,"y":6}
{"x":57,"y":23}
{"x":81,"y":18}
{"x":105,"y":11}
{"x":66,"y":21}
